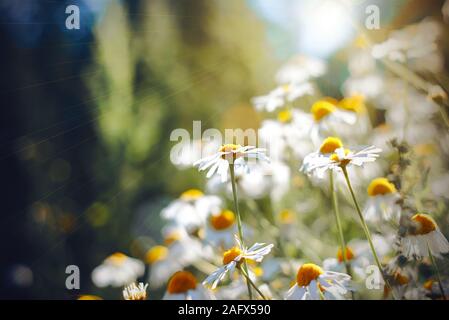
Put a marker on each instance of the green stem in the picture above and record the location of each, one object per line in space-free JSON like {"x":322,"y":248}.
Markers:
{"x":248,"y":279}
{"x":338,"y":221}
{"x":437,"y":271}
{"x":239,"y":223}
{"x":366,"y":230}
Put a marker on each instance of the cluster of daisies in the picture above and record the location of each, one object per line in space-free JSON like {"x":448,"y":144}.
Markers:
{"x":342,"y":204}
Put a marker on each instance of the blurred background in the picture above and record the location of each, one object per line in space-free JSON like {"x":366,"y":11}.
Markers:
{"x":87,"y":114}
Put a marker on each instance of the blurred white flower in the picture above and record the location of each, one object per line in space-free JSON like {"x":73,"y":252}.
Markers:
{"x":289,"y":133}
{"x":191,"y":209}
{"x":183,"y":285}
{"x":313,"y":283}
{"x":282,"y":95}
{"x":327,"y":118}
{"x":220,"y":229}
{"x":382,"y":202}
{"x":414,"y":45}
{"x":117,"y":270}
{"x":423,"y":236}
{"x":300,"y":69}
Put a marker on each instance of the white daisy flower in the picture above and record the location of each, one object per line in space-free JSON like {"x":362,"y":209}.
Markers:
{"x":313,"y":283}
{"x":327,"y":118}
{"x":280,"y":96}
{"x":332,"y":156}
{"x":183,"y":285}
{"x":117,"y":270}
{"x":290,"y":131}
{"x":423,"y":235}
{"x":358,"y":255}
{"x":230,"y":154}
{"x":135,"y":292}
{"x":234,"y":257}
{"x":382,"y":202}
{"x":300,"y":69}
{"x":180,"y":251}
{"x":220,"y":229}
{"x":191,"y":209}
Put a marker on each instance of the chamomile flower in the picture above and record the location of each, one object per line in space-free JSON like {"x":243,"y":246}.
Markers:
{"x":355,"y":104}
{"x":180,"y":250}
{"x":358,"y":256}
{"x":289,"y":132}
{"x":313,"y":283}
{"x":135,"y":292}
{"x":282,"y":95}
{"x":312,"y":162}
{"x":228,"y":154}
{"x":117,"y":270}
{"x":382,"y":202}
{"x":191,"y":208}
{"x":234,"y":257}
{"x":423,"y":236}
{"x":300,"y":69}
{"x":332,"y":156}
{"x":183,"y":285}
{"x":327,"y":117}
{"x":221,"y":228}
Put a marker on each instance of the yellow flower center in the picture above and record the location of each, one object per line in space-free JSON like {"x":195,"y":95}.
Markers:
{"x":117,"y":258}
{"x":230,"y":148}
{"x":330,"y":144}
{"x":428,"y":284}
{"x":361,"y":42}
{"x":287,"y":216}
{"x":307,"y":273}
{"x":354,"y":104}
{"x":380,"y":186}
{"x":172,"y":237}
{"x":191,"y":194}
{"x":286,"y":88}
{"x":400,"y":279}
{"x":222,"y":221}
{"x":285,"y":116}
{"x":155,"y":254}
{"x":231,"y":254}
{"x":425,"y":224}
{"x":181,"y":282}
{"x":322,"y":109}
{"x":349,"y":254}
{"x":343,"y":162}
{"x":89,"y":297}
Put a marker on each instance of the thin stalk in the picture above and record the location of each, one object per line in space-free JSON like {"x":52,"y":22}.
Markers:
{"x":338,"y":221}
{"x":366,"y":230}
{"x":437,"y":271}
{"x":248,"y":279}
{"x":239,"y":223}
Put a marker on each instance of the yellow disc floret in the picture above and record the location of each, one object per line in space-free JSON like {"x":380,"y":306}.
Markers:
{"x":349,"y":254}
{"x":181,"y":282}
{"x":230,"y":148}
{"x":322,"y":109}
{"x":117,"y":258}
{"x":155,"y":254}
{"x":191,"y":194}
{"x":223,"y":220}
{"x":172,"y":237}
{"x":285,"y":116}
{"x":380,"y":186}
{"x":307,"y":273}
{"x":330,"y":144}
{"x":424,"y":224}
{"x":354,"y":104}
{"x":231,"y":254}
